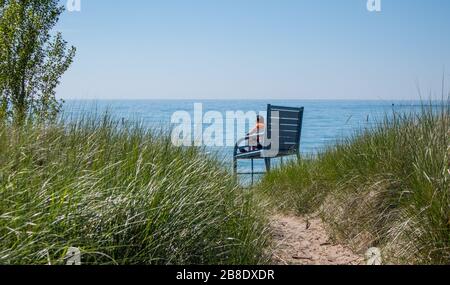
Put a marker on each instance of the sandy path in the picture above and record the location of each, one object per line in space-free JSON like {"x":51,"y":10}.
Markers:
{"x":298,"y":242}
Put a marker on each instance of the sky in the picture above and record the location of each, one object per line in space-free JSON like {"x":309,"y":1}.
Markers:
{"x":257,"y":49}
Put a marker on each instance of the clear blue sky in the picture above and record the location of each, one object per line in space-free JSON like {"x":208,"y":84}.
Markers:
{"x":256,"y":49}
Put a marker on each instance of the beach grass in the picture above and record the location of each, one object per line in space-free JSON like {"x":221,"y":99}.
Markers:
{"x":386,"y":186}
{"x":123,"y":195}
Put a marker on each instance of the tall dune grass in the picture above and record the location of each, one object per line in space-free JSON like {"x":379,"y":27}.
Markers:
{"x":386,"y":187}
{"x":121,"y":194}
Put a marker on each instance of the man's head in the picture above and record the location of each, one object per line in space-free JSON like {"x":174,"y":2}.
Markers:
{"x":260,"y":119}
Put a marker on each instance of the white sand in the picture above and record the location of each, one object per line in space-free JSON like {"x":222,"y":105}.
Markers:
{"x":301,"y":242}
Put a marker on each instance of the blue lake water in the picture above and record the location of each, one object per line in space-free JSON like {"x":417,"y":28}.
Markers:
{"x":325,"y":122}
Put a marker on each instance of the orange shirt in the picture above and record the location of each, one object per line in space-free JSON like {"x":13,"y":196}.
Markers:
{"x":259,"y":128}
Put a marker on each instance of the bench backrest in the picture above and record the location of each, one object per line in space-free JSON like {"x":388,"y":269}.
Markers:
{"x":290,"y":127}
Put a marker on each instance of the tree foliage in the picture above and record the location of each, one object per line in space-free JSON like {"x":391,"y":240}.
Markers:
{"x":32,"y":59}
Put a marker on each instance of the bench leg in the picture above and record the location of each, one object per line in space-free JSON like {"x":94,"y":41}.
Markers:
{"x":253,"y":171}
{"x":235,"y":166}
{"x":267,"y":161}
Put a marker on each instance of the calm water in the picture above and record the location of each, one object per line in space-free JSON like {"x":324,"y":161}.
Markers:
{"x":324,"y":121}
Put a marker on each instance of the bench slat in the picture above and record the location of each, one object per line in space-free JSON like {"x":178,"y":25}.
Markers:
{"x":283,"y":114}
{"x":290,"y":136}
{"x":286,"y":127}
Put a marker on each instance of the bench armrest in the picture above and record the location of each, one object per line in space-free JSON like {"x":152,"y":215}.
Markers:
{"x":236,"y":146}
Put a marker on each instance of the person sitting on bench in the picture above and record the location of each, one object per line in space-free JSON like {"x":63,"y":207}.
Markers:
{"x":254,"y":136}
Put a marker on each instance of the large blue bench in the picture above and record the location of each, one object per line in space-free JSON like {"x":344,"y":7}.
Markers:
{"x":283,"y":128}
